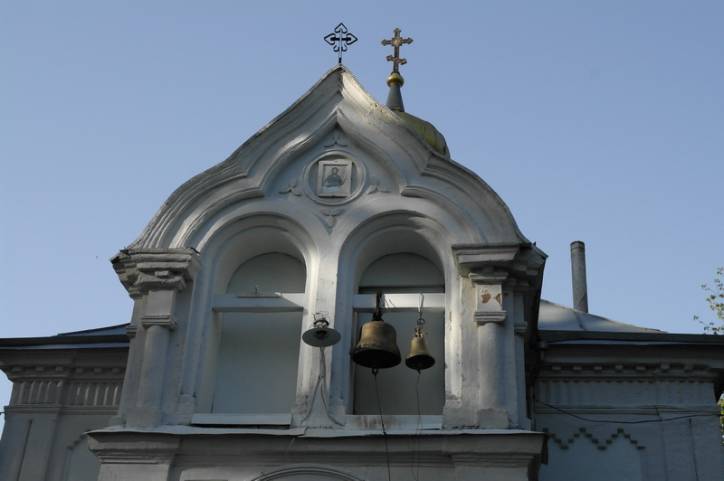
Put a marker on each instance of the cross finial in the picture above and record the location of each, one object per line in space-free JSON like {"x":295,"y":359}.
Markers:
{"x":340,"y":39}
{"x":396,"y":41}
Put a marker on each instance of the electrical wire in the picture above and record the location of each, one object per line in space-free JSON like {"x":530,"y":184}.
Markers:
{"x":382,"y":422}
{"x":415,"y":468}
{"x":621,"y":421}
{"x":418,"y":429}
{"x":321,"y":387}
{"x":313,"y":401}
{"x":323,"y":377}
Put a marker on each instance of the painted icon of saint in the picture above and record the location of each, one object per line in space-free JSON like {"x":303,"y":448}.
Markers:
{"x":333,"y":181}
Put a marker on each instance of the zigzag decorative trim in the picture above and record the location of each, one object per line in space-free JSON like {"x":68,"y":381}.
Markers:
{"x":600,"y":444}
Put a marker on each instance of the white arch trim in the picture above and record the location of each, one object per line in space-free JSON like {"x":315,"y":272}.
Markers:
{"x":337,"y":101}
{"x":305,"y":470}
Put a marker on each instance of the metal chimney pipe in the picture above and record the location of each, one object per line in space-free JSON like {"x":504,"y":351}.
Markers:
{"x":578,"y":276}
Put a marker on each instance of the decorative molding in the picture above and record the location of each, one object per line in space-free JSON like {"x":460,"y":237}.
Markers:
{"x":614,"y":392}
{"x":335,"y":139}
{"x":144,"y":270}
{"x":336,"y":104}
{"x":292,"y":188}
{"x":492,"y":460}
{"x":162,"y":320}
{"x":55,"y":386}
{"x":329,"y":217}
{"x":619,"y":372}
{"x":117,"y":448}
{"x":305,"y":470}
{"x":37,"y":392}
{"x":488,"y":277}
{"x":601,"y":444}
{"x":354,"y":180}
{"x":376,"y":187}
{"x":485,"y":317}
{"x":478,"y":257}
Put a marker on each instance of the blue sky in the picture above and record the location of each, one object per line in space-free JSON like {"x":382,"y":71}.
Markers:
{"x":599,"y":121}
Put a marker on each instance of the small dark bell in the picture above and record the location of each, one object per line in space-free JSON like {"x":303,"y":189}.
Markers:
{"x":321,"y":335}
{"x":377,"y":346}
{"x":419,"y":358}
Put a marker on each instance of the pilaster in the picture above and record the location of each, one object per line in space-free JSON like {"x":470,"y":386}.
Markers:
{"x":153,"y":278}
{"x":491,"y":318}
{"x":503,"y":312}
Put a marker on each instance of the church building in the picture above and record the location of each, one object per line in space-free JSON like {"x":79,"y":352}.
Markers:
{"x":341,"y":300}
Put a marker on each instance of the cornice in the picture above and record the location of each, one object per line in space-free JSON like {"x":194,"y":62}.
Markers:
{"x":143,"y":270}
{"x":618,"y":371}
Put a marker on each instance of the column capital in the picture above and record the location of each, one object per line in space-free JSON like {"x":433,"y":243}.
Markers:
{"x":521,"y":261}
{"x":144,"y":270}
{"x":167,"y":322}
{"x":488,"y":277}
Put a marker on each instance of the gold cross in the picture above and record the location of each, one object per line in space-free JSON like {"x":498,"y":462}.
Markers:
{"x":397,"y":41}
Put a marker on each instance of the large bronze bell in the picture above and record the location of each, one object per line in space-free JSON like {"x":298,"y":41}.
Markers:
{"x":377,"y":345}
{"x":419,"y":357}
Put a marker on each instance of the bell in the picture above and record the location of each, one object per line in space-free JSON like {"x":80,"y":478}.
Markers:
{"x":377,"y":345}
{"x":321,"y":335}
{"x":419,"y":358}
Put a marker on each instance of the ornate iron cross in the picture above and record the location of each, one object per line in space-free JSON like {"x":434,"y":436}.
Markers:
{"x":340,"y":39}
{"x":397,"y":41}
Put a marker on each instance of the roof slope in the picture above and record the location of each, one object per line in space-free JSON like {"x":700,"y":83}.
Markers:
{"x":108,"y":337}
{"x":554,"y":317}
{"x":337,"y":102}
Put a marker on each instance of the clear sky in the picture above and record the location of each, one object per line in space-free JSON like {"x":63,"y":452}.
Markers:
{"x":599,"y":121}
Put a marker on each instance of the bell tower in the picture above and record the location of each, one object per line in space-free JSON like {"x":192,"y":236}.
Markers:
{"x":276,"y":295}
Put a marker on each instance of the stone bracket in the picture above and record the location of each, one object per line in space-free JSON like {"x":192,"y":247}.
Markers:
{"x":144,"y":270}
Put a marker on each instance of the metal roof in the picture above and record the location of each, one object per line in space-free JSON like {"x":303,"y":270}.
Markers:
{"x":554,"y":317}
{"x":109,"y":337}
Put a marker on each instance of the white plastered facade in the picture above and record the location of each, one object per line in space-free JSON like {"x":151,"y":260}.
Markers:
{"x":394,"y":195}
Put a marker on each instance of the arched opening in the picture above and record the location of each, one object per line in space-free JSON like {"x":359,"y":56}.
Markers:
{"x":259,"y":349}
{"x":253,"y":301}
{"x":400,"y":388}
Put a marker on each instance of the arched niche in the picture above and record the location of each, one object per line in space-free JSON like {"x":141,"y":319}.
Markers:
{"x":253,"y":238}
{"x":252,"y":348}
{"x":402,"y":257}
{"x":400,"y":390}
{"x":267,"y":274}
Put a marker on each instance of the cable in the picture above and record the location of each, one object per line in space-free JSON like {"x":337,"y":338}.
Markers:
{"x":612,"y":421}
{"x":321,"y":386}
{"x":314,"y":399}
{"x":323,"y":377}
{"x":418,"y":428}
{"x":382,"y":422}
